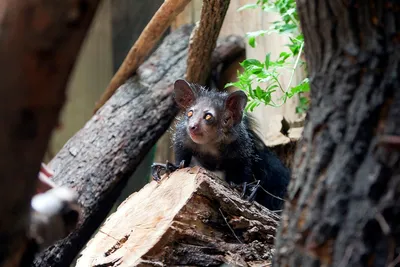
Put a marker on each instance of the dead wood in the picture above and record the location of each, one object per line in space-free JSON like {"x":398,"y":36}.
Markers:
{"x":39,"y":45}
{"x":143,"y":46}
{"x":100,"y":158}
{"x":204,"y":39}
{"x":190,"y":218}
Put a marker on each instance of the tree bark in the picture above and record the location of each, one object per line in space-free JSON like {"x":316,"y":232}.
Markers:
{"x":190,"y":218}
{"x":100,"y":158}
{"x":204,"y":39}
{"x":143,"y":46}
{"x":342,"y":207}
{"x":38,"y":48}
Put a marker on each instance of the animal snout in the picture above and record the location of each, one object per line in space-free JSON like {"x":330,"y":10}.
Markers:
{"x":194,"y":128}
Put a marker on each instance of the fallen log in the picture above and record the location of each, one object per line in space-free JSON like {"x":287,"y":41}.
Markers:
{"x":189,"y":218}
{"x":99,"y":159}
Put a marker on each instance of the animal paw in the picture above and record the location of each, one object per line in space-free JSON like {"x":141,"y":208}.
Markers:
{"x":249,"y":190}
{"x":168,"y":167}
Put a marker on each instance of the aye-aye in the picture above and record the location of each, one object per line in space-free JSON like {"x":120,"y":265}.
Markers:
{"x":215,"y":133}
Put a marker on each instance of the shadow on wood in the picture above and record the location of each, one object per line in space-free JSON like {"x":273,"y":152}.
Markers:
{"x":189,"y":218}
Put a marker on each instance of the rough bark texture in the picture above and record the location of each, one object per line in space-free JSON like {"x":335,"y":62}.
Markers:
{"x":98,"y":160}
{"x":190,"y":218}
{"x":39,"y":44}
{"x":204,"y":38}
{"x":343,"y":207}
{"x":144,"y":45}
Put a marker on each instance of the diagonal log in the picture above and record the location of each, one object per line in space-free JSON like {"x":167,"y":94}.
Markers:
{"x":99,"y":159}
{"x":143,"y":46}
{"x":39,"y":44}
{"x":204,"y":39}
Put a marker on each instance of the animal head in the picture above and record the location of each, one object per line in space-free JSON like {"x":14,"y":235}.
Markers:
{"x":208,"y":114}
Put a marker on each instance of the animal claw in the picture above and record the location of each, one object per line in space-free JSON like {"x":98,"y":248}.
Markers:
{"x":251,"y":188}
{"x":168,"y":167}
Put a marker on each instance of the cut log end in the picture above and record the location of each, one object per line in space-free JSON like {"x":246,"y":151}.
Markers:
{"x":189,"y":218}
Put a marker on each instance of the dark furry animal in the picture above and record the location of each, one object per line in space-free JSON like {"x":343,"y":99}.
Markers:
{"x":215,"y":133}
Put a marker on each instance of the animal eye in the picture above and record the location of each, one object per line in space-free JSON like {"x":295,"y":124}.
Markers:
{"x":190,"y":113}
{"x":208,"y":117}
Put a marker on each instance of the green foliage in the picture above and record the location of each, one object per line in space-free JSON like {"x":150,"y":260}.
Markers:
{"x":268,"y":72}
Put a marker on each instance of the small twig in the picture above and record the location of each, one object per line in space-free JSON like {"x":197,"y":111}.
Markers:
{"x":295,"y":66}
{"x":233,"y":232}
{"x":272,"y":195}
{"x":144,"y":44}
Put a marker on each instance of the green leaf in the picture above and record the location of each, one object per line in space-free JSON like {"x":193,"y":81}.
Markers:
{"x":272,"y":87}
{"x":229,"y":84}
{"x":287,"y":28}
{"x":252,"y":36}
{"x":303,"y":105}
{"x":259,"y":92}
{"x":266,"y":63}
{"x":304,"y":86}
{"x":247,"y":63}
{"x":253,"y":104}
{"x":267,"y":98}
{"x":269,"y":71}
{"x":252,"y":41}
{"x":247,"y":6}
{"x":284,"y":55}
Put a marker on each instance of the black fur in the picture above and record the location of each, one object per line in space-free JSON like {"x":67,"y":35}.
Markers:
{"x":242,"y":155}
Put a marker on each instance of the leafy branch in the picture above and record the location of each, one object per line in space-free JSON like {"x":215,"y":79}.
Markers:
{"x":268,"y":72}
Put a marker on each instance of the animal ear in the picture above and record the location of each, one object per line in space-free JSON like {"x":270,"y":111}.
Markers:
{"x":234,"y":107}
{"x":184,"y":94}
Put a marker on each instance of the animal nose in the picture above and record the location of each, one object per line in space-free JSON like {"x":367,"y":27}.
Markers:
{"x":194,"y":127}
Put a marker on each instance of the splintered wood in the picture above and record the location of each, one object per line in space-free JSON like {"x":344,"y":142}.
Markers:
{"x":189,"y":218}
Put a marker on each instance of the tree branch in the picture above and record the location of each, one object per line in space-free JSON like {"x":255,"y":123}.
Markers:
{"x":204,"y":39}
{"x":143,"y":46}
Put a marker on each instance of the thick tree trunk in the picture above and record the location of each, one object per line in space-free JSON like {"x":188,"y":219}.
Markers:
{"x":191,"y":218}
{"x":343,"y":206}
{"x":39,"y":44}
